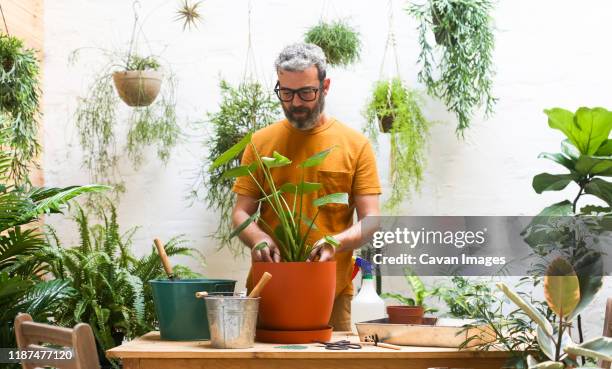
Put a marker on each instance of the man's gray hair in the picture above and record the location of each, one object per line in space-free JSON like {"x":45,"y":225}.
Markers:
{"x":300,"y":56}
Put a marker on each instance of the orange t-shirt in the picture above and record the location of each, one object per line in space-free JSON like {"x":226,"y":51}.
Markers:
{"x":350,"y":168}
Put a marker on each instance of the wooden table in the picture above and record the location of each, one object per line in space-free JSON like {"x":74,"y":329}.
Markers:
{"x":150,"y":352}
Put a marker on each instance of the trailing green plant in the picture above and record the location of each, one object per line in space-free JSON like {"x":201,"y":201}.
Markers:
{"x":409,"y":134}
{"x":243,"y":109}
{"x":294,"y":225}
{"x":587,"y":154}
{"x":459,"y":68}
{"x":562,"y":293}
{"x":21,"y":289}
{"x":463,"y":296}
{"x":419,"y":293}
{"x":98,"y":120}
{"x":339,"y":41}
{"x":19,"y":102}
{"x":110,"y":282}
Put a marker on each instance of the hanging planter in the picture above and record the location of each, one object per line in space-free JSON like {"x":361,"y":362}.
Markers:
{"x":140,"y":83}
{"x":395,"y":109}
{"x":339,"y":41}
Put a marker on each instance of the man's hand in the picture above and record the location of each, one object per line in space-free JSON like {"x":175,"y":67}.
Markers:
{"x":322,"y":251}
{"x":265,"y":250}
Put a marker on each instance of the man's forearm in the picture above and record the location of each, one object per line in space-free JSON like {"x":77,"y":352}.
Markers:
{"x":353,"y":237}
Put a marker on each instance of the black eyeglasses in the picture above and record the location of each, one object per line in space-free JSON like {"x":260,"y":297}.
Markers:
{"x":305,"y":93}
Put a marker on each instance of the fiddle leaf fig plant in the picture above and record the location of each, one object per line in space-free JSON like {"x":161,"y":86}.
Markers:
{"x":562,"y":292}
{"x":286,"y":200}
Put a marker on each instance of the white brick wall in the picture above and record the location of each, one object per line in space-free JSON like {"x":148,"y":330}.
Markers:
{"x":549,"y":53}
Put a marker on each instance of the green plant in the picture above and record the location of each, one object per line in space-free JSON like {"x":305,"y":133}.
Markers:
{"x":21,"y":289}
{"x":419,"y":291}
{"x":463,"y":296}
{"x":408,"y":136}
{"x":289,"y":233}
{"x":587,"y":155}
{"x":98,"y":116}
{"x":562,"y":293}
{"x":339,"y":41}
{"x":110,"y":282}
{"x":462,"y":75}
{"x":243,"y":109}
{"x":19,"y":101}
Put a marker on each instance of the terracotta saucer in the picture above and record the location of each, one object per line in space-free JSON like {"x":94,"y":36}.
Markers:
{"x":275,"y":336}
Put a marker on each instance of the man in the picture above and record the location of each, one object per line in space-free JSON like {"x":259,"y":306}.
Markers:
{"x":350,"y":167}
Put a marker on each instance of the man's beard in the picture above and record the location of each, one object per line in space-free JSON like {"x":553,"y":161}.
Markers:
{"x":309,"y":119}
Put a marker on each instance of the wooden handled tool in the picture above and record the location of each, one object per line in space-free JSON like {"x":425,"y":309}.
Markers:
{"x":382,"y":344}
{"x":201,"y":294}
{"x":164,"y":258}
{"x":265,"y":278}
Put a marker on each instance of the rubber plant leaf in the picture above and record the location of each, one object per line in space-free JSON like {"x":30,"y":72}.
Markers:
{"x":561,"y":287}
{"x":529,"y":309}
{"x":589,"y":270}
{"x":231,"y":152}
{"x":316,"y":159}
{"x":547,"y":343}
{"x":588,"y":129}
{"x":241,"y":171}
{"x":277,"y":160}
{"x":244,"y":224}
{"x":597,"y":348}
{"x":334,"y":198}
{"x":548,"y":365}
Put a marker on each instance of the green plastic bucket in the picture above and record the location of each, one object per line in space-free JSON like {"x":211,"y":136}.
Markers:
{"x":182,"y":316}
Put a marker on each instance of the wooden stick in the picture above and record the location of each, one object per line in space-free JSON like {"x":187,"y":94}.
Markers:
{"x":164,"y":258}
{"x":265,"y":278}
{"x":382,"y":344}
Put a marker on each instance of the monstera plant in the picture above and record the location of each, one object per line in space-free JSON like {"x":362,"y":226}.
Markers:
{"x":563,"y":296}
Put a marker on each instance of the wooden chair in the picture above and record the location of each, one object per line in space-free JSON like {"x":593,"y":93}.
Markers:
{"x":607,"y":330}
{"x":30,"y":335}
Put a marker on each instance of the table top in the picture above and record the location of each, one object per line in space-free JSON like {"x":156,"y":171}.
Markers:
{"x":151,"y":346}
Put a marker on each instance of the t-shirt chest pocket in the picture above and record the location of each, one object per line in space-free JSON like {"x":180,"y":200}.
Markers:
{"x":334,"y":182}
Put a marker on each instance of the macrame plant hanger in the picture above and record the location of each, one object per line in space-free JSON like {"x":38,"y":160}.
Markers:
{"x":137,"y":31}
{"x":6,"y":29}
{"x":250,"y":73}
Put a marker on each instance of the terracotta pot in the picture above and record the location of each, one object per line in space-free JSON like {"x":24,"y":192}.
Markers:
{"x":405,"y":314}
{"x":300,"y":295}
{"x":138,"y":87}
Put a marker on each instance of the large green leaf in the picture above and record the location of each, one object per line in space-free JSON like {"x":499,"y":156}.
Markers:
{"x":561,"y":287}
{"x":245,"y":224}
{"x":560,"y":158}
{"x":334,"y":198}
{"x":569,"y":150}
{"x":587,"y":129}
{"x":589,"y":270}
{"x":551,"y":182}
{"x":548,"y":365}
{"x":594,"y":165}
{"x":316,"y":159}
{"x":277,"y":160}
{"x":600,"y":188}
{"x":241,"y":171}
{"x":597,"y":348}
{"x":231,"y":152}
{"x":529,"y":309}
{"x":605,"y":149}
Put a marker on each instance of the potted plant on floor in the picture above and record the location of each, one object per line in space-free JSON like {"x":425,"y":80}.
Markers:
{"x":562,"y":292}
{"x":300,"y":296}
{"x":339,"y":41}
{"x":412,"y":309}
{"x":395,"y":109}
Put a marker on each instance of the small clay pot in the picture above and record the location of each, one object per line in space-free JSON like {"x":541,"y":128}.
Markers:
{"x":138,"y":87}
{"x":405,"y":314}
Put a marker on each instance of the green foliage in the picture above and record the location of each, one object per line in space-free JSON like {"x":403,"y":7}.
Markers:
{"x":463,"y":296}
{"x":110,"y":286}
{"x":243,"y":109}
{"x":98,"y":118}
{"x":339,"y":41}
{"x":562,"y":293}
{"x":21,"y":290}
{"x":419,"y":292}
{"x":290,"y":236}
{"x":19,"y":102}
{"x":408,"y":136}
{"x":459,"y":69}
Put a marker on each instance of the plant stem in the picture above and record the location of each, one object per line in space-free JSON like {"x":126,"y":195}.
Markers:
{"x":559,"y":339}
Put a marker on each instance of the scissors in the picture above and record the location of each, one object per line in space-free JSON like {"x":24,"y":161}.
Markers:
{"x":339,"y":345}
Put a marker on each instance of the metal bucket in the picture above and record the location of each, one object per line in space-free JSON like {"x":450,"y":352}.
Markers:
{"x":232,"y":321}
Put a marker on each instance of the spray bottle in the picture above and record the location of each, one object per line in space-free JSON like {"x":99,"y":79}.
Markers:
{"x":367,"y":305}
